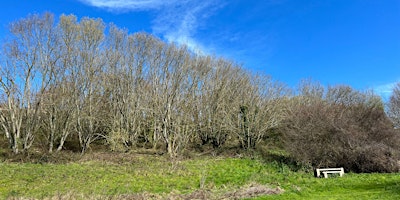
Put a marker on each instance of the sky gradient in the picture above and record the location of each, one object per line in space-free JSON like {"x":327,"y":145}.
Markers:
{"x":351,"y":42}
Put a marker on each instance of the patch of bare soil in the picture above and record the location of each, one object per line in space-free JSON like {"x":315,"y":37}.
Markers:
{"x":198,"y":194}
{"x":253,"y":190}
{"x":249,"y":191}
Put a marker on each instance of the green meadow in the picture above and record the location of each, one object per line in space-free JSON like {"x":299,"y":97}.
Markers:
{"x":203,"y":177}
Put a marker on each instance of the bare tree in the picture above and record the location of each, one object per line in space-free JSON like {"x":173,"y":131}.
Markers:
{"x":220,"y":96}
{"x":262,"y":109}
{"x":394,"y":106}
{"x":57,"y":116}
{"x":126,"y":57}
{"x":89,"y":69}
{"x":168,"y":78}
{"x":83,"y":63}
{"x":30,"y":58}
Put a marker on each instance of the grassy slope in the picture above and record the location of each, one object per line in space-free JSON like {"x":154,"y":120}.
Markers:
{"x":159,"y":175}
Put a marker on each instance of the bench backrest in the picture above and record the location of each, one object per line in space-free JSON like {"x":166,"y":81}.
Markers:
{"x":331,"y":169}
{"x":341,"y":169}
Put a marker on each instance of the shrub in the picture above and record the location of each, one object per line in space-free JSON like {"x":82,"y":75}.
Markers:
{"x":356,"y":134}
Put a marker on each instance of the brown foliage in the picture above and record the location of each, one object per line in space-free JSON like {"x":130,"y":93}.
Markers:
{"x":351,"y":132}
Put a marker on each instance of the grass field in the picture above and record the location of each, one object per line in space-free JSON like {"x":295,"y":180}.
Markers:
{"x":157,"y":177}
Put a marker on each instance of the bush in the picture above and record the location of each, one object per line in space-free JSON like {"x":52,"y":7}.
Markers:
{"x":356,"y":135}
{"x":376,"y":158}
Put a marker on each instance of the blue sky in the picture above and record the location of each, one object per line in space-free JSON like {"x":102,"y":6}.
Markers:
{"x":352,"y":42}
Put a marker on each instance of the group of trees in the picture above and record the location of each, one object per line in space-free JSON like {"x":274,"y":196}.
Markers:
{"x":83,"y":80}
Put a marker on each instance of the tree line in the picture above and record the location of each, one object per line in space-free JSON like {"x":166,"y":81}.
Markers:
{"x":83,"y":80}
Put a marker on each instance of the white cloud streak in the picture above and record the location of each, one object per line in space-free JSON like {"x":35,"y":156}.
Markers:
{"x":176,"y":21}
{"x":385,"y":90}
{"x":125,"y":5}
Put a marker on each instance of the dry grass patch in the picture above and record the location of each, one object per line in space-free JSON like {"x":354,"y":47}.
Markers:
{"x":249,"y":191}
{"x":253,"y":190}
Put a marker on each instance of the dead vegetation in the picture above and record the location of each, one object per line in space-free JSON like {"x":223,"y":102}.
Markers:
{"x":248,"y":191}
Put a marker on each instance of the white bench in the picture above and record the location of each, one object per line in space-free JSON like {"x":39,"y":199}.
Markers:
{"x":327,"y":171}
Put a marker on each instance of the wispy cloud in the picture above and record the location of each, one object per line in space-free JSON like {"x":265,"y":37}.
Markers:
{"x":176,"y":21}
{"x":126,"y":5}
{"x":385,"y":90}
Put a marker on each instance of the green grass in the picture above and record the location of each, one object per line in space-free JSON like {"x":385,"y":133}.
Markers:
{"x":350,"y":186}
{"x":159,"y":175}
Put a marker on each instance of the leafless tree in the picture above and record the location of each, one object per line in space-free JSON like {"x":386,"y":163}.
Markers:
{"x":88,"y":73}
{"x":168,"y":74}
{"x":30,"y":58}
{"x":220,"y":98}
{"x":262,"y":109}
{"x":394,"y":106}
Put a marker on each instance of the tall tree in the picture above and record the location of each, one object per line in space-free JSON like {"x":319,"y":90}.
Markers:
{"x":88,"y":73}
{"x":27,"y":73}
